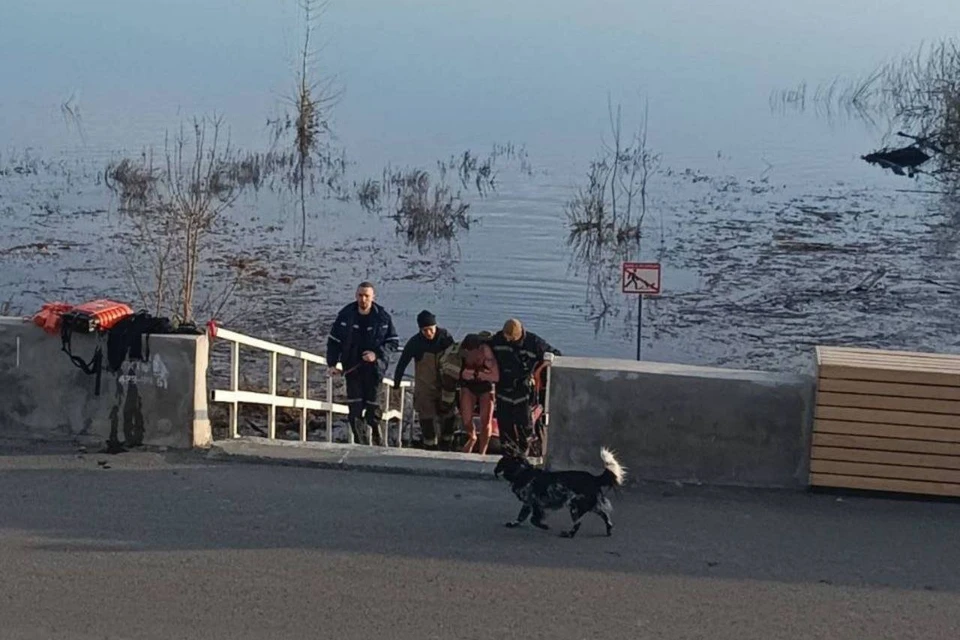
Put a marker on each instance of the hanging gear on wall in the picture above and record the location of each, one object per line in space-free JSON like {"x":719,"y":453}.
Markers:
{"x":50,"y":316}
{"x":127,"y":334}
{"x":97,"y":316}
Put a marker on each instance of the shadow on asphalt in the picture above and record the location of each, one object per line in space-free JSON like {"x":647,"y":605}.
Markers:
{"x":162,"y":502}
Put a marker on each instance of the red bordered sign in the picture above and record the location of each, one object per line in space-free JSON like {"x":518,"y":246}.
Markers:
{"x":641,"y":278}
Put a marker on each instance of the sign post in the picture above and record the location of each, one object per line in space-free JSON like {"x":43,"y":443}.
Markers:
{"x":640,"y":279}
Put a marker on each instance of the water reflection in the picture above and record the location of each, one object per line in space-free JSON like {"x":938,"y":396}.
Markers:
{"x":946,"y":234}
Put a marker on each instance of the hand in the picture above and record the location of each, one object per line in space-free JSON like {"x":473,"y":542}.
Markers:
{"x":335,"y":371}
{"x":369,"y":356}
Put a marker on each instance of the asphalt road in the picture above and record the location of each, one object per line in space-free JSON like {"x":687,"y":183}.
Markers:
{"x":164,"y":546}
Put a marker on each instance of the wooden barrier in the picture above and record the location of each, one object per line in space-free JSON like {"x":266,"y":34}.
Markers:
{"x":887,"y":421}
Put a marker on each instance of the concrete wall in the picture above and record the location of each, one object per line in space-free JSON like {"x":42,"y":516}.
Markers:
{"x":43,"y":395}
{"x":682,"y":423}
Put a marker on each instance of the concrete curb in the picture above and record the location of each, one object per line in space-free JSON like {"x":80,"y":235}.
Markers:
{"x":322,"y":455}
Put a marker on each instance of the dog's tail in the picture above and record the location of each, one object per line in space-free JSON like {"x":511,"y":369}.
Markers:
{"x":613,"y":473}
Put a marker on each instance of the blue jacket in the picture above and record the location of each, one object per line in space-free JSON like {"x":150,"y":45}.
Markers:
{"x":345,"y":344}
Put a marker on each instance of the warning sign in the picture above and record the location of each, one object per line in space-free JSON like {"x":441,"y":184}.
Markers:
{"x":641,"y":277}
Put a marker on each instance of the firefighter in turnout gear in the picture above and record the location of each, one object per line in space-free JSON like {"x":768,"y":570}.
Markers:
{"x":424,"y":348}
{"x":518,"y":351}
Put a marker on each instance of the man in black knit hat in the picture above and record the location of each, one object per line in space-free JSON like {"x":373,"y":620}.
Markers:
{"x":436,"y":420}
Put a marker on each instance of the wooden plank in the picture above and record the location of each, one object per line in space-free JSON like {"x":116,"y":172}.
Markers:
{"x":885,"y":471}
{"x":905,"y":459}
{"x":880,"y":350}
{"x":891,"y":403}
{"x":888,"y":417}
{"x":945,"y":360}
{"x":901,"y":361}
{"x":898,"y":376}
{"x":884,"y":484}
{"x":899,"y":365}
{"x":828,"y":352}
{"x":906,"y":364}
{"x":876,"y":360}
{"x":932,"y":392}
{"x":884,"y":430}
{"x":886,"y":444}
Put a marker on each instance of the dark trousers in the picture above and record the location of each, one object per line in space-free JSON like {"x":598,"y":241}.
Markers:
{"x":513,"y":420}
{"x":363,"y":394}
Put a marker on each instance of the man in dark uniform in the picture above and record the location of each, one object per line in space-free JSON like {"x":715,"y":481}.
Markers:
{"x":361,"y":339}
{"x":424,"y":348}
{"x":518,"y":351}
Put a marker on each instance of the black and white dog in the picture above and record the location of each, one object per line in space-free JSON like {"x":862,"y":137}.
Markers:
{"x":541,"y":491}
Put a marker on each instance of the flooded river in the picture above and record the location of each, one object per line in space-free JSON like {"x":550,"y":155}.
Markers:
{"x":773,"y":234}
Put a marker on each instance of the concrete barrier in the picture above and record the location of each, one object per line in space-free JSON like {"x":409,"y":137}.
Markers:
{"x":682,"y":423}
{"x":160,"y":402}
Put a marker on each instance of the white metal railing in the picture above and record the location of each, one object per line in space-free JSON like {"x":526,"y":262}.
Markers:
{"x":548,"y":360}
{"x":235,"y":397}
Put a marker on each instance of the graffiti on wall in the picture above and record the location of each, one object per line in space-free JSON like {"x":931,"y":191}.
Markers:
{"x":134,"y":375}
{"x":151,"y":373}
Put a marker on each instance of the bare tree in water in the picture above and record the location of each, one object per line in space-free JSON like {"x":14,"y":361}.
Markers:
{"x":427,"y":211}
{"x":173,"y":207}
{"x":605,"y":217}
{"x":313,"y":155}
{"x":609,"y":211}
{"x":428,"y":215}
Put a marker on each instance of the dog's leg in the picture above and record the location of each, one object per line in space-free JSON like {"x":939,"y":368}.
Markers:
{"x":603,"y":510}
{"x":576,"y":513}
{"x":537,"y":519}
{"x":523,"y":515}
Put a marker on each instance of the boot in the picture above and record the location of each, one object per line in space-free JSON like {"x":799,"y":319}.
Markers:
{"x":373,"y":416}
{"x":359,"y":430}
{"x":428,"y":433}
{"x":448,"y":427}
{"x":376,"y":432}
